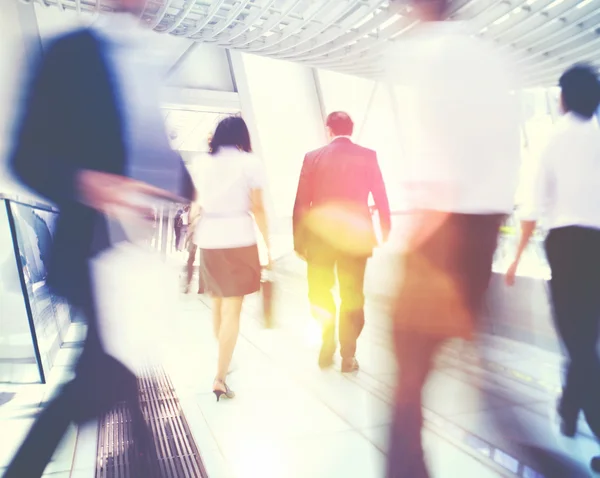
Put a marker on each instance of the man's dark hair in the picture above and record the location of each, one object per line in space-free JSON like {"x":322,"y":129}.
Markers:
{"x":231,"y":131}
{"x":580,"y":90}
{"x":340,"y":124}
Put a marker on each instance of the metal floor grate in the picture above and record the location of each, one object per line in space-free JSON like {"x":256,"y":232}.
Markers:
{"x":178,"y":456}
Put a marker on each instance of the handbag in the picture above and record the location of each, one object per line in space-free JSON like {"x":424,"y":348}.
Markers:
{"x":137,"y":298}
{"x":267,"y":298}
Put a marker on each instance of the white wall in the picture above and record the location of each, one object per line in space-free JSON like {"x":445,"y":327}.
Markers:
{"x":376,"y":111}
{"x":205,"y":67}
{"x":15,"y":38}
{"x":280,"y":102}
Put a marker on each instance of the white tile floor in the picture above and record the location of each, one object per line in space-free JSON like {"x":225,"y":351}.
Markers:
{"x":290,"y":419}
{"x":17,"y":416}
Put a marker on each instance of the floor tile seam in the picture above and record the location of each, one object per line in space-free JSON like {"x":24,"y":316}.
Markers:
{"x":346,"y":421}
{"x":533,"y":383}
{"x":457,"y":443}
{"x":373,"y":342}
{"x":485,"y":461}
{"x":512,"y":406}
{"x":465,"y":381}
{"x":17,"y":416}
{"x":386,"y":400}
{"x":212,"y":434}
{"x":305,"y":437}
{"x":377,"y":298}
{"x":271,"y":358}
{"x":77,"y":437}
{"x":456,"y":378}
{"x":539,"y":413}
{"x":310,"y":389}
{"x":287,"y":331}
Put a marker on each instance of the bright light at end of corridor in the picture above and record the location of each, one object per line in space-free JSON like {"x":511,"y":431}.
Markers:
{"x":313,"y":333}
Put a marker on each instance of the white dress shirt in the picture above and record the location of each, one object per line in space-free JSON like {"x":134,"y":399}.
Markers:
{"x":137,"y":75}
{"x":566,"y":190}
{"x":224,"y":182}
{"x":460,"y":128}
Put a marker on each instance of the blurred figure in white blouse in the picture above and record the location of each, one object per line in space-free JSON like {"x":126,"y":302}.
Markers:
{"x":230,"y":185}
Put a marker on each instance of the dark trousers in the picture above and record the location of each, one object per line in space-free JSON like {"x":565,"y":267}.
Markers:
{"x":445,"y":278}
{"x":183,"y":233}
{"x":177,"y":238}
{"x":100,"y":383}
{"x":574,"y":257}
{"x":323,"y":261}
{"x":193,"y":250}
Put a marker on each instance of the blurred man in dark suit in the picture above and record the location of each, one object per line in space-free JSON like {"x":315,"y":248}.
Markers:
{"x":333,"y":229}
{"x":92,"y":138}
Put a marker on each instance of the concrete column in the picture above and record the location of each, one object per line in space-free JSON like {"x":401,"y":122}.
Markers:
{"x":280,"y":102}
{"x":20,"y":43}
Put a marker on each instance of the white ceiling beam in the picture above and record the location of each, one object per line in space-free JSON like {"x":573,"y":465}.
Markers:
{"x":243,"y":27}
{"x":352,"y":36}
{"x":555,"y":26}
{"x":338,"y":38}
{"x":316,"y":31}
{"x":296,"y":29}
{"x":273,"y":21}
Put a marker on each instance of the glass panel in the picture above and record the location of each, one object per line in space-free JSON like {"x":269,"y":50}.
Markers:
{"x":17,"y":355}
{"x":51,"y":315}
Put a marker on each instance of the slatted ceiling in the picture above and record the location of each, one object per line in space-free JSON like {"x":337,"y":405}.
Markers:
{"x":178,"y":456}
{"x":542,"y":32}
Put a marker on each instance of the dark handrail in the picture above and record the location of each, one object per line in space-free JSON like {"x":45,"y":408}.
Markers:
{"x":18,"y":199}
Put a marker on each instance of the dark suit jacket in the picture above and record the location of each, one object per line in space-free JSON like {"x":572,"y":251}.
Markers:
{"x":345,"y":173}
{"x":71,"y":121}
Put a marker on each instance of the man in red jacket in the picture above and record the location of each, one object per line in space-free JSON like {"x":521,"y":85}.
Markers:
{"x":333,"y":229}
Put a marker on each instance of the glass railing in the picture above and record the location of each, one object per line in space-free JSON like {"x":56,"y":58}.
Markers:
{"x":33,"y":321}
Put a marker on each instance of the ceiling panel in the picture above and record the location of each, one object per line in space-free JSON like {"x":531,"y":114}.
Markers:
{"x":545,"y":36}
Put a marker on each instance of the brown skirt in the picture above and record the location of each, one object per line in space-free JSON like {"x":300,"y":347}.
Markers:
{"x":231,"y":272}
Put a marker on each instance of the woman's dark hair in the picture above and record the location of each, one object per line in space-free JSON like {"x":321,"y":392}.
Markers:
{"x":231,"y":131}
{"x":580,"y":90}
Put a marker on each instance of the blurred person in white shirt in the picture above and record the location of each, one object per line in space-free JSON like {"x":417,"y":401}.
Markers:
{"x":461,"y":142}
{"x":566,"y":194}
{"x":463,"y":158}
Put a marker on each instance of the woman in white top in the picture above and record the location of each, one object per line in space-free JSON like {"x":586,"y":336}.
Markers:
{"x":230,"y":187}
{"x":567,"y":194}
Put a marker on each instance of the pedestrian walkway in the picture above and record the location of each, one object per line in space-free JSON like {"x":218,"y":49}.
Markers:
{"x":291,"y":419}
{"x":76,"y":455}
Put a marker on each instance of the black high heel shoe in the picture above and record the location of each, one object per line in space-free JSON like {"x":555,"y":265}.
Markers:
{"x":228,"y":393}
